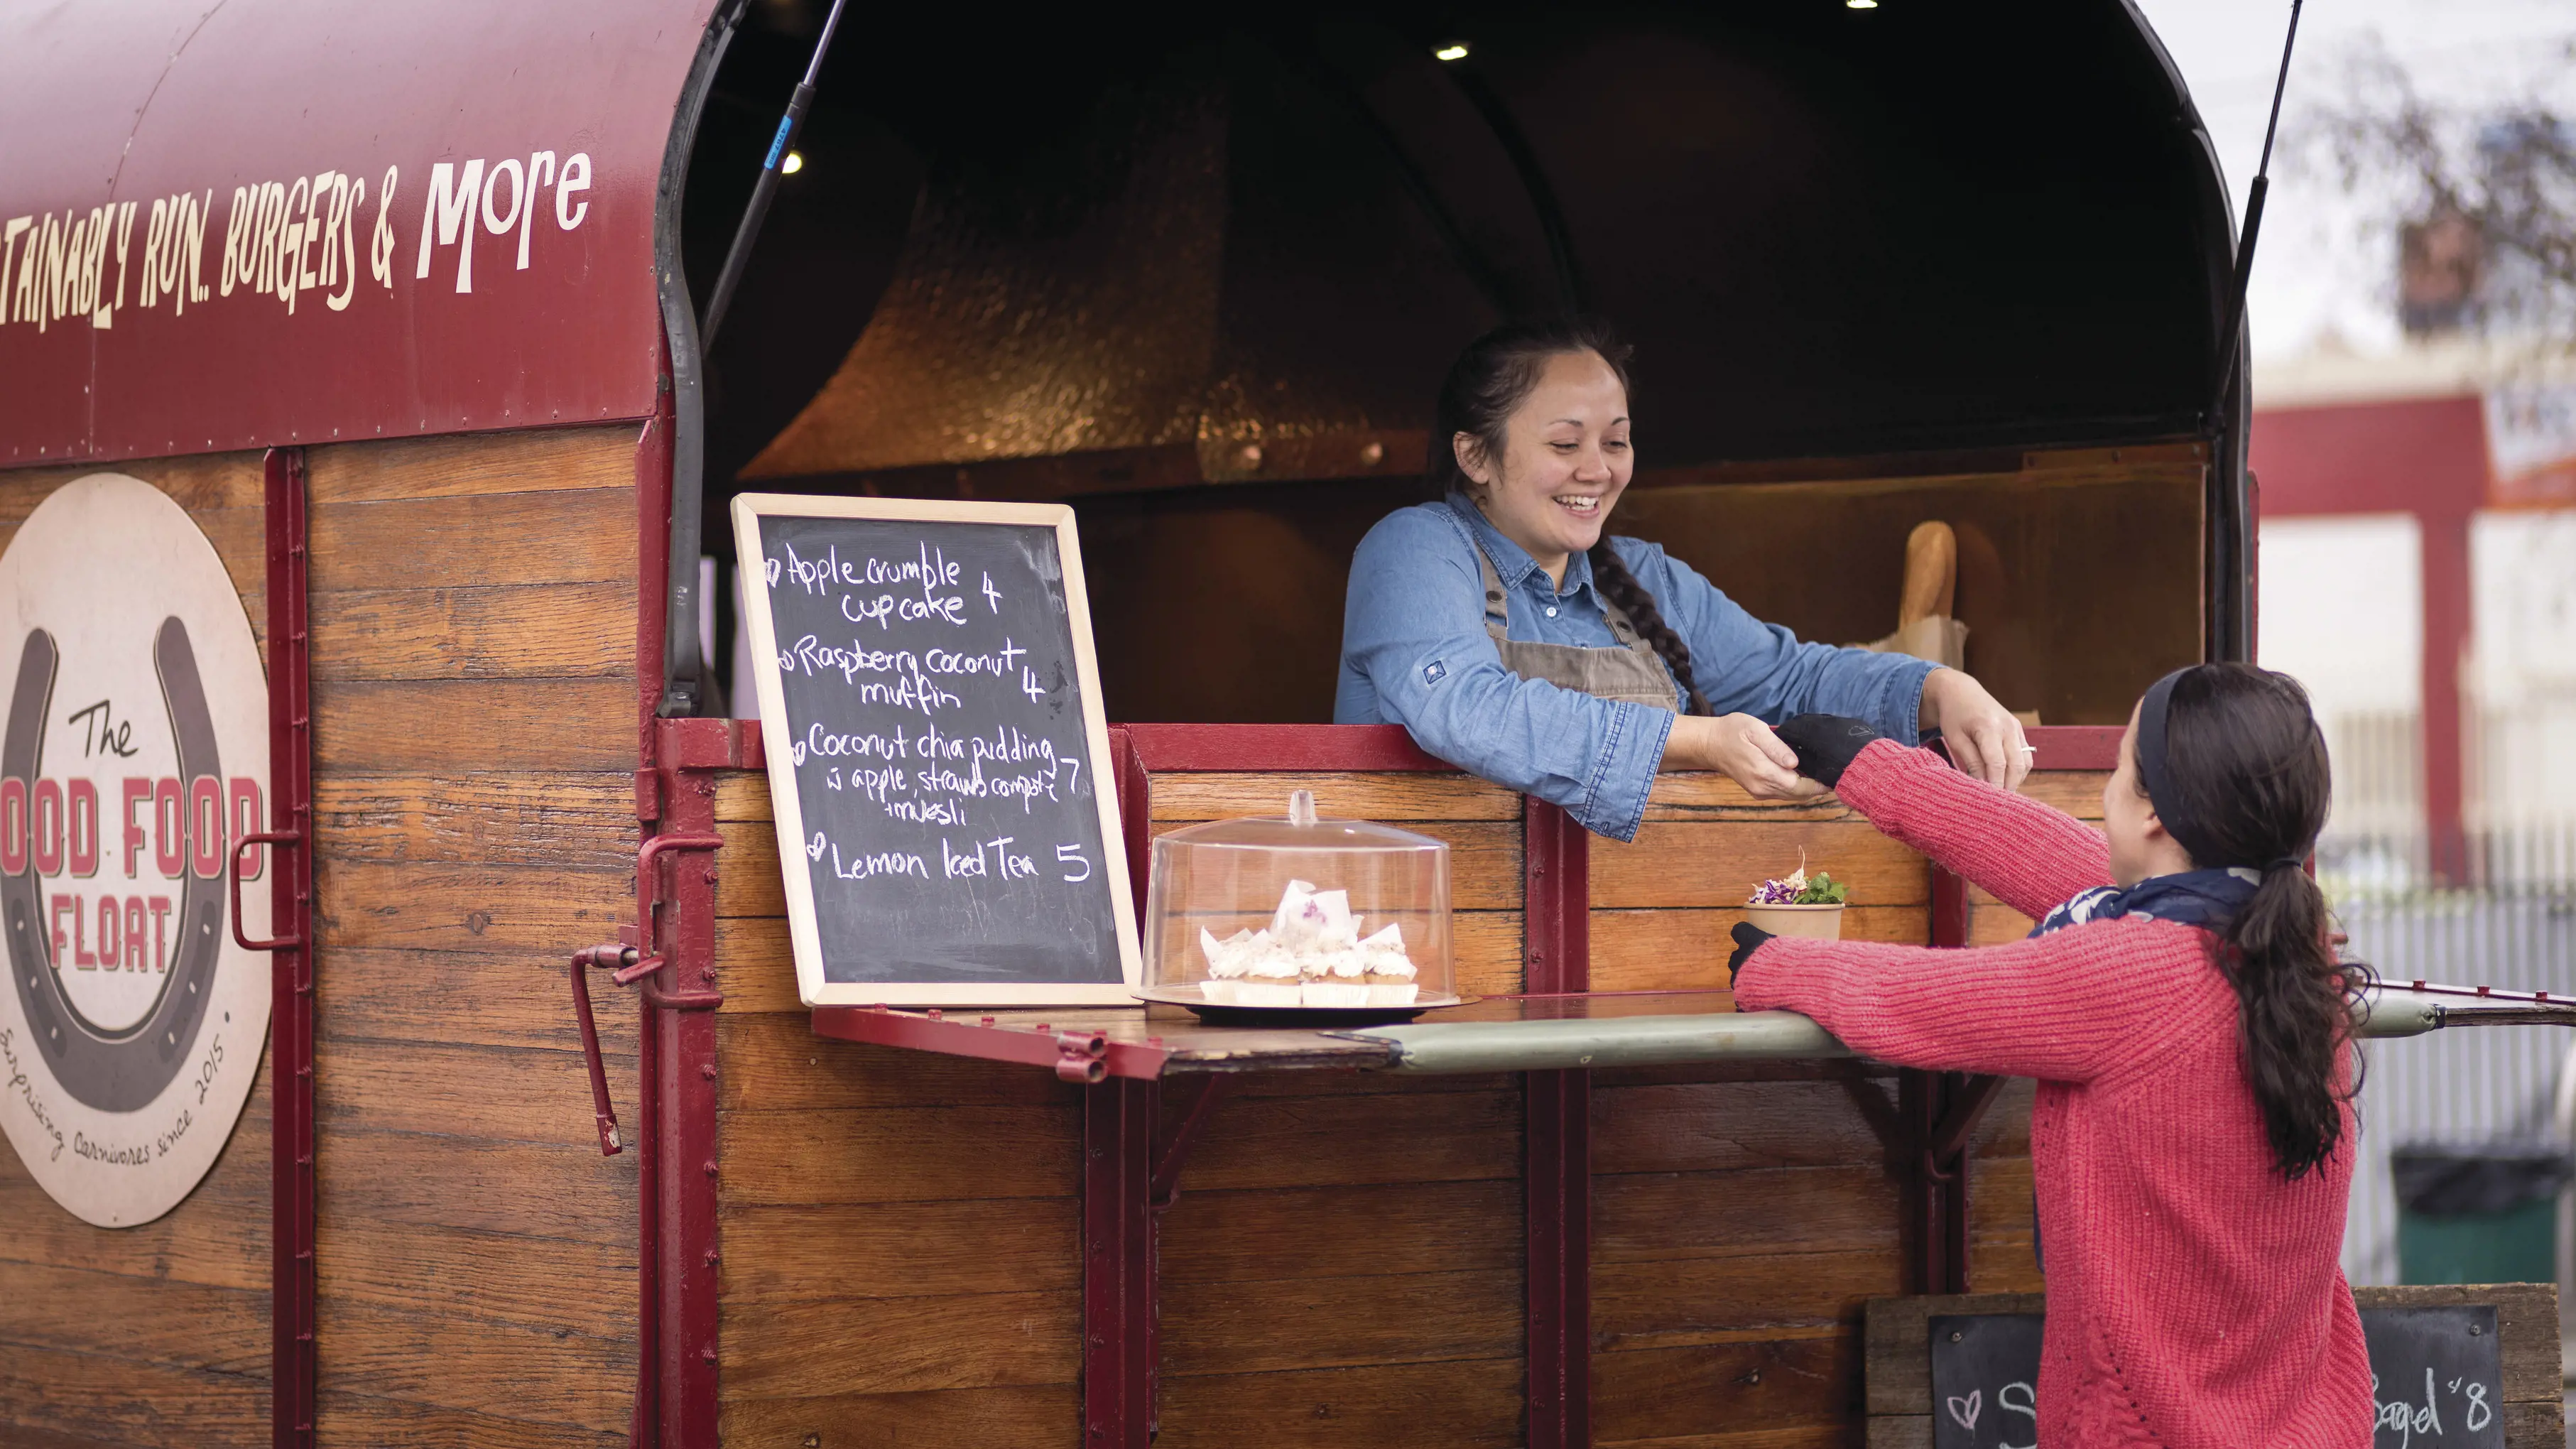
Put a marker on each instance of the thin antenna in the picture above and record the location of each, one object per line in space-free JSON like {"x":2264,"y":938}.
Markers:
{"x":767,"y":187}
{"x":2233,"y":331}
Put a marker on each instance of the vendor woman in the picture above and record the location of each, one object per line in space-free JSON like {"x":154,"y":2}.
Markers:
{"x":1517,"y":639}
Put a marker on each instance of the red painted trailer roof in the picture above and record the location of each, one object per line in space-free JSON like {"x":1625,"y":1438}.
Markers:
{"x":237,"y":223}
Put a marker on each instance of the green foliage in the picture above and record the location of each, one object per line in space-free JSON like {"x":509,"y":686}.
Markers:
{"x":1824,"y":890}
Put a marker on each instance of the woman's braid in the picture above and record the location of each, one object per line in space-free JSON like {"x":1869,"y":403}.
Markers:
{"x":1620,"y":587}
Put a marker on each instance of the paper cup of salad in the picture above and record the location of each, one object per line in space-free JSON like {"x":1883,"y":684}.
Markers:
{"x":1799,"y":904}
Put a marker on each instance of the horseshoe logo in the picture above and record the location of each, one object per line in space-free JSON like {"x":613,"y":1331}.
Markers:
{"x":119,"y":1070}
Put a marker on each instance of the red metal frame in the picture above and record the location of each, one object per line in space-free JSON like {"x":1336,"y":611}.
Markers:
{"x":1556,"y":856}
{"x":603,"y":1112}
{"x":652,"y":509}
{"x":292,"y":1206}
{"x":2076,"y":747}
{"x":1076,"y":1056}
{"x":1191,"y":747}
{"x":1118,"y":1298}
{"x":677,"y":1350}
{"x":675,"y":910}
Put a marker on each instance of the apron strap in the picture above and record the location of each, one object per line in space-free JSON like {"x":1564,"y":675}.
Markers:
{"x":1498,"y":616}
{"x":1498,"y":621}
{"x":1498,"y":609}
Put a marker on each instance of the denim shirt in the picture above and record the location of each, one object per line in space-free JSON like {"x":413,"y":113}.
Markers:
{"x":1415,"y":653}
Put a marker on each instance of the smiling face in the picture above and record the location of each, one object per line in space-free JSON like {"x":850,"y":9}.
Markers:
{"x":1565,"y":460}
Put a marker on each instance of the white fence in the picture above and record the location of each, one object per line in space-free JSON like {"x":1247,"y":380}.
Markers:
{"x":2474,"y":1084}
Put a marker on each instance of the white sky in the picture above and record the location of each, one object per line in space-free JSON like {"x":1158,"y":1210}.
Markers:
{"x":2326,"y":260}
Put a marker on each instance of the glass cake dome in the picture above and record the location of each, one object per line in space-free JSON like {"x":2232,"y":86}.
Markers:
{"x":1300,"y":914}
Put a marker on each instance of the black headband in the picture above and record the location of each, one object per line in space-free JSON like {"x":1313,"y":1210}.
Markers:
{"x":2170,"y":809}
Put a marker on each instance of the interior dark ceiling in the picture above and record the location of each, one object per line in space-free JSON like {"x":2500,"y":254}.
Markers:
{"x":1827,"y":231}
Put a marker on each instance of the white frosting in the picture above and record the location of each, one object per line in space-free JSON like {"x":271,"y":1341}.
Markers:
{"x":1310,"y":954}
{"x":1224,"y":957}
{"x":1383,"y":955}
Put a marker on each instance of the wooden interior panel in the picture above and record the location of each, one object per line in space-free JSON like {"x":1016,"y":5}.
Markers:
{"x":2079,"y":574}
{"x":474,"y":734}
{"x":1014,"y":1414}
{"x":1460,"y":1404}
{"x":2080,"y":584}
{"x":1480,"y":821}
{"x":1393,"y":796}
{"x":2078,"y":793}
{"x":156,"y":1335}
{"x":1662,"y":905}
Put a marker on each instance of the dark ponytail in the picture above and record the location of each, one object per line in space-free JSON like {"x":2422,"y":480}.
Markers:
{"x":1488,"y":382}
{"x":2243,"y":750}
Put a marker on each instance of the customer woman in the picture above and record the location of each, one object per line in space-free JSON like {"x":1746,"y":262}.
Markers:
{"x":2191,"y":1032}
{"x":1516,"y":639}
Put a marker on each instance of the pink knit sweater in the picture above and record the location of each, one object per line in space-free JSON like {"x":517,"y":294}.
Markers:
{"x":2193,"y":1296}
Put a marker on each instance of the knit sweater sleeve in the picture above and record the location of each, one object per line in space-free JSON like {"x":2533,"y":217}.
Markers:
{"x":2056,"y":1007}
{"x":2028,"y":855}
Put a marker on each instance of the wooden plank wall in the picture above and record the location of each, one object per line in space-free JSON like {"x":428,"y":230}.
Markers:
{"x":475,"y":707}
{"x":1742,"y":1215}
{"x":901,"y":1233}
{"x":155,"y":1335}
{"x":1344,"y":1265}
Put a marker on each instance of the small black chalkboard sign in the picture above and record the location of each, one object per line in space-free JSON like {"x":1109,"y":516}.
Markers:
{"x":932,"y":717}
{"x":2438,"y":1371}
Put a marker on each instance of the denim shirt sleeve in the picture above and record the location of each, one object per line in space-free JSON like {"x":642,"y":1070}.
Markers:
{"x":1746,"y":666}
{"x":1413,"y":628}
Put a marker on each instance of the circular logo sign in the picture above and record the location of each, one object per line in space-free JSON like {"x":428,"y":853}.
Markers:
{"x":133,"y":752}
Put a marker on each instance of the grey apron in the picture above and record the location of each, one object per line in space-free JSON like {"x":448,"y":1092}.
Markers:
{"x":1630,"y":670}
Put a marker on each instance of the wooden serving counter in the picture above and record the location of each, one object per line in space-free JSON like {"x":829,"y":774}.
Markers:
{"x":918,"y":1244}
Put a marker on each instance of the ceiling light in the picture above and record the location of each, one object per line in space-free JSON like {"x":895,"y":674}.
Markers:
{"x":1860,"y":4}
{"x":795,"y":161}
{"x":1454,"y":50}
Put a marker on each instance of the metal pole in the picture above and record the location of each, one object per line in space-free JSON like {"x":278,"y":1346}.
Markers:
{"x":761,"y":192}
{"x":2234,"y":327}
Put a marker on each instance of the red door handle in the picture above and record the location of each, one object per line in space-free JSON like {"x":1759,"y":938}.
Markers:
{"x":628,"y":965}
{"x":611,"y":955}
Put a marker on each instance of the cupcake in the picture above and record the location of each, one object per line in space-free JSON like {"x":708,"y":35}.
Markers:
{"x":1225,"y":961}
{"x":1388,"y":972}
{"x":1337,"y":978}
{"x":1270,"y":976}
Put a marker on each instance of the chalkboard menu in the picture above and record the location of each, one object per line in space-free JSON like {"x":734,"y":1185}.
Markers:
{"x":2438,"y":1371}
{"x":932,"y":718}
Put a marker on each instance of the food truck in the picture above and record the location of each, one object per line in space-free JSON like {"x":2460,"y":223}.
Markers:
{"x":407,"y":1044}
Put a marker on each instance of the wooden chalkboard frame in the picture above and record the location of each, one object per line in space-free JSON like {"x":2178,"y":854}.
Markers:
{"x":787,"y":808}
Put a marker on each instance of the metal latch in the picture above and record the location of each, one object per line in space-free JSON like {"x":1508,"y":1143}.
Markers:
{"x":628,"y":965}
{"x":283,"y":840}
